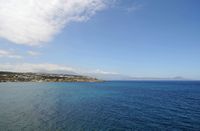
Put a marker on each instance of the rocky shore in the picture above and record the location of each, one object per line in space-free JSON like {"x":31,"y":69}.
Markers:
{"x":43,"y":77}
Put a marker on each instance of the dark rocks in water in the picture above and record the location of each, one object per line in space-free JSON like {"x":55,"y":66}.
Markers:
{"x":43,"y":77}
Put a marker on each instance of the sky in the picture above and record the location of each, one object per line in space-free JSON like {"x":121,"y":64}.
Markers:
{"x":115,"y":38}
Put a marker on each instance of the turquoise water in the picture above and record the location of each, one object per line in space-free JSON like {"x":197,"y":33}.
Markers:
{"x":104,"y":106}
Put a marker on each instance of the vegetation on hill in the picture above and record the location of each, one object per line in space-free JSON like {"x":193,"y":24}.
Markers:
{"x":43,"y":77}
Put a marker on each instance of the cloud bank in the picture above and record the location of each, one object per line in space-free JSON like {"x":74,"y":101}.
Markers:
{"x":32,"y":22}
{"x":55,"y":68}
{"x":29,"y":67}
{"x":9,"y":54}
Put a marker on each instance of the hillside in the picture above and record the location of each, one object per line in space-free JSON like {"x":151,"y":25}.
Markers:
{"x":43,"y":77}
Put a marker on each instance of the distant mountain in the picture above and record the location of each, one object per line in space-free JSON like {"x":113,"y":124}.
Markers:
{"x":110,"y":76}
{"x":125,"y":77}
{"x":158,"y":78}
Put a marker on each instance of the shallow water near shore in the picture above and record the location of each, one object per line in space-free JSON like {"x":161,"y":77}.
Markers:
{"x":114,"y":105}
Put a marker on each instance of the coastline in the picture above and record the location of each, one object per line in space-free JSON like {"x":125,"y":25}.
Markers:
{"x":43,"y":77}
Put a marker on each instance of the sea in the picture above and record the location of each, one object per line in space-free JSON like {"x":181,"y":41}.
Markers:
{"x":103,"y":106}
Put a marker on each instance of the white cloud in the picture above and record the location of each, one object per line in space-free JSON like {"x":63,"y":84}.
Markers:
{"x":98,"y":71}
{"x":134,"y":7}
{"x":9,"y":54}
{"x":32,"y":22}
{"x":55,"y":68}
{"x":33,"y":53}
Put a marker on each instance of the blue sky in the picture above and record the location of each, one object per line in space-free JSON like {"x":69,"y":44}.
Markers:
{"x":139,"y":38}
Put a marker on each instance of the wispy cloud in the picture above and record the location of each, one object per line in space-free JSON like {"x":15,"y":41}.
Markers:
{"x":98,"y":71}
{"x":32,"y":22}
{"x":9,"y":54}
{"x":134,"y":7}
{"x":33,"y":53}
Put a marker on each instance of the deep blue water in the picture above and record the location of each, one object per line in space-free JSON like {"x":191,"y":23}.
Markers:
{"x":104,"y":106}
